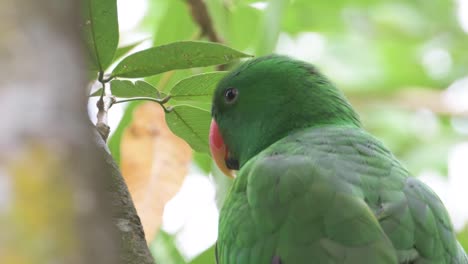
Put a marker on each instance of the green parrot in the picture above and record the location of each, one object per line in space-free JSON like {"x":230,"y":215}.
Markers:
{"x":313,"y":186}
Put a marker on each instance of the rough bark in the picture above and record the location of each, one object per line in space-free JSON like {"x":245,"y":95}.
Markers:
{"x":133,"y":247}
{"x":54,"y":207}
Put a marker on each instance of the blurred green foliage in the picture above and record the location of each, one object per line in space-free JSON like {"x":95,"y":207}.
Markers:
{"x":393,"y":59}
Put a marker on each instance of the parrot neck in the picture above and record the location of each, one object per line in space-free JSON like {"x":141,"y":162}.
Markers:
{"x":249,"y":152}
{"x":279,"y":122}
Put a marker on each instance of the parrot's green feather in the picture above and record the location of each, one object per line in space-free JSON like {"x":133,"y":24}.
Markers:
{"x":318,"y":190}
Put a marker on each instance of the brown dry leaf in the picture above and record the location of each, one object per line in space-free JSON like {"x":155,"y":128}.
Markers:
{"x":154,"y":163}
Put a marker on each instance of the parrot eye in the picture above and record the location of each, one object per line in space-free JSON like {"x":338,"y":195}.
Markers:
{"x":230,"y":95}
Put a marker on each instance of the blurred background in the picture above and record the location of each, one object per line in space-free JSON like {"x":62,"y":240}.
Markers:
{"x":402,"y":64}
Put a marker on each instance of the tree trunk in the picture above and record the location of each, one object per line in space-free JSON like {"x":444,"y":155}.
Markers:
{"x":62,"y":199}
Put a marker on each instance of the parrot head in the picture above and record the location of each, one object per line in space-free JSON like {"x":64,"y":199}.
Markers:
{"x":264,"y":100}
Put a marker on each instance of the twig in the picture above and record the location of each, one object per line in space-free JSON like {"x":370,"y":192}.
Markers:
{"x":202,"y":18}
{"x":101,"y":123}
{"x":108,"y":79}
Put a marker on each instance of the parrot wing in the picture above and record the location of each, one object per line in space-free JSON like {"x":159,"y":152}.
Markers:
{"x":332,"y":195}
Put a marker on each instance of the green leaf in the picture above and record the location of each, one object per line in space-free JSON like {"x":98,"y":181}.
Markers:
{"x":197,"y":87}
{"x":271,"y":26}
{"x":128,"y":89}
{"x":177,"y":55}
{"x":120,"y":52}
{"x":96,"y":93}
{"x":203,"y":161}
{"x":240,"y":18}
{"x":164,"y":249}
{"x":169,"y":12}
{"x":204,"y":105}
{"x":101,"y":31}
{"x":192,"y":124}
{"x":207,"y":257}
{"x":463,"y":237}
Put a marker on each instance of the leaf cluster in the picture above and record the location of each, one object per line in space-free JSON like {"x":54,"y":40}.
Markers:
{"x":186,"y":103}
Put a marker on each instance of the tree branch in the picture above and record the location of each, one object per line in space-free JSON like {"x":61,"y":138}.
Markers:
{"x":101,"y":116}
{"x":133,"y":247}
{"x":201,"y":16}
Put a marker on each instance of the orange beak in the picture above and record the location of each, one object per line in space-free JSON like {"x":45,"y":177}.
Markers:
{"x":219,"y":150}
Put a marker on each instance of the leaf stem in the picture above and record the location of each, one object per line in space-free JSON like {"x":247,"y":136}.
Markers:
{"x":161,"y":102}
{"x":100,"y":76}
{"x":102,"y":79}
{"x":108,"y":79}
